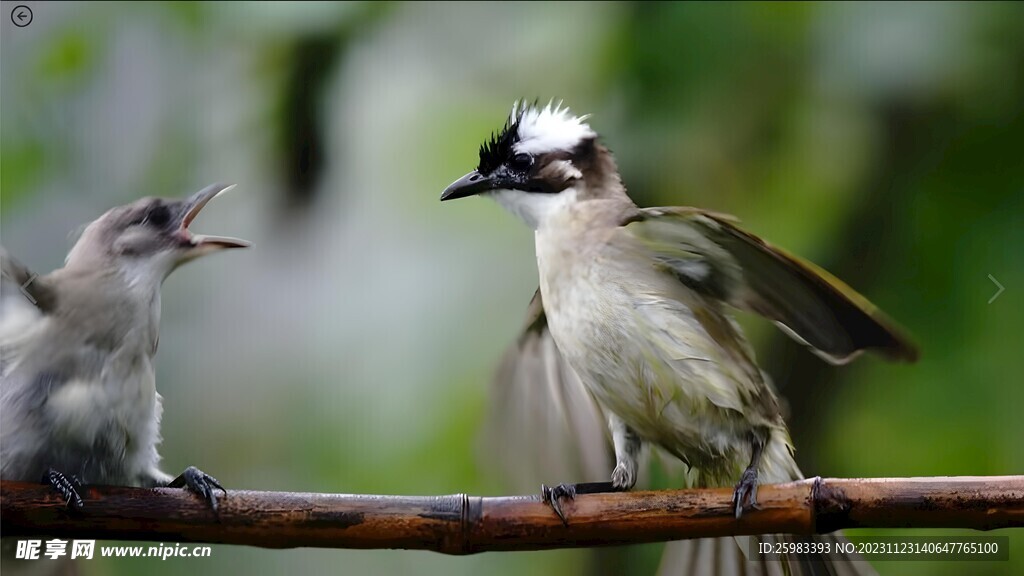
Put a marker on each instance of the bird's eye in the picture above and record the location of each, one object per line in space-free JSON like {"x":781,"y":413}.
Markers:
{"x":158,"y":216}
{"x":521,"y":162}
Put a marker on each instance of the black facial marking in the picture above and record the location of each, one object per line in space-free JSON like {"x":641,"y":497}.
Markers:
{"x":497,"y":150}
{"x":507,"y":169}
{"x":158,"y":215}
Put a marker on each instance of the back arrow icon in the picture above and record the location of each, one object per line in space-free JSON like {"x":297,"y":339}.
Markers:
{"x":21,"y":16}
{"x":1000,"y":286}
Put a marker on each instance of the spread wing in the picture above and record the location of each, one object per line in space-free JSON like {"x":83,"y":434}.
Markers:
{"x":543,"y":425}
{"x":709,"y":253}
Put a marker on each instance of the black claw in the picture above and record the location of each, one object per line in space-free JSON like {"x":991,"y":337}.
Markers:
{"x":553,"y":495}
{"x":200,"y":483}
{"x":66,"y":485}
{"x":745,"y":495}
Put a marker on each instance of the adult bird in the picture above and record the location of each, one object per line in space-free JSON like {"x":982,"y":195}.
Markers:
{"x":635,"y":301}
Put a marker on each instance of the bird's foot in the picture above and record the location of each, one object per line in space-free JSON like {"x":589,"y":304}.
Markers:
{"x":201,"y":483}
{"x":552,"y":495}
{"x":624,"y":476}
{"x":745,"y":495}
{"x":66,"y":485}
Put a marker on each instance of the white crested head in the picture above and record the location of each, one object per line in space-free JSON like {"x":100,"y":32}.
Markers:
{"x":548,"y":129}
{"x":540,"y":164}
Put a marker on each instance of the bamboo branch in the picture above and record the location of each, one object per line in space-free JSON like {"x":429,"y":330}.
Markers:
{"x":461,"y":524}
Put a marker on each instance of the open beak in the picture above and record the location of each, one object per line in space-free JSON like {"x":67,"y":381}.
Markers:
{"x":201,"y":243}
{"x":470,"y":185}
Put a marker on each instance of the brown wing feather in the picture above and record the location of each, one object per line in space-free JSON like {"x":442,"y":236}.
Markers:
{"x":709,"y":252}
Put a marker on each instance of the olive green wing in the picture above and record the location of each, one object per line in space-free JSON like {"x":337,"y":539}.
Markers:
{"x":711,"y":254}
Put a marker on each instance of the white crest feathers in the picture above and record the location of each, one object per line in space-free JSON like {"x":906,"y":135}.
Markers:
{"x":548,"y":129}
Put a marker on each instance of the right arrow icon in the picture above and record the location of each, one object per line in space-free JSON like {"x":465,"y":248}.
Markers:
{"x":998,"y":285}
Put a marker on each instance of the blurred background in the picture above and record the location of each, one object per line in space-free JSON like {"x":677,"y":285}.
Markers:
{"x":350,"y":350}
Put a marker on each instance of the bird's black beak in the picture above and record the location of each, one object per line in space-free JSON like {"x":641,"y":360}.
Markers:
{"x":201,"y":243}
{"x":470,"y":185}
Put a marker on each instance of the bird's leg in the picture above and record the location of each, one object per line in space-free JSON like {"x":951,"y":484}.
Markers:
{"x":66,"y":485}
{"x":627,"y":452}
{"x":745,"y":495}
{"x":199,"y":482}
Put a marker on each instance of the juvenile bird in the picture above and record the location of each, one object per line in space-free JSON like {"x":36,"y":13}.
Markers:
{"x":77,"y":384}
{"x":635,"y":301}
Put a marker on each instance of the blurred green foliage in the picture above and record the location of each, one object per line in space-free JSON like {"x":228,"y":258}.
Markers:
{"x":882,"y":141}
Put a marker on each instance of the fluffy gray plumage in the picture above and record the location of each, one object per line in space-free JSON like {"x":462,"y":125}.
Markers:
{"x":77,"y":384}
